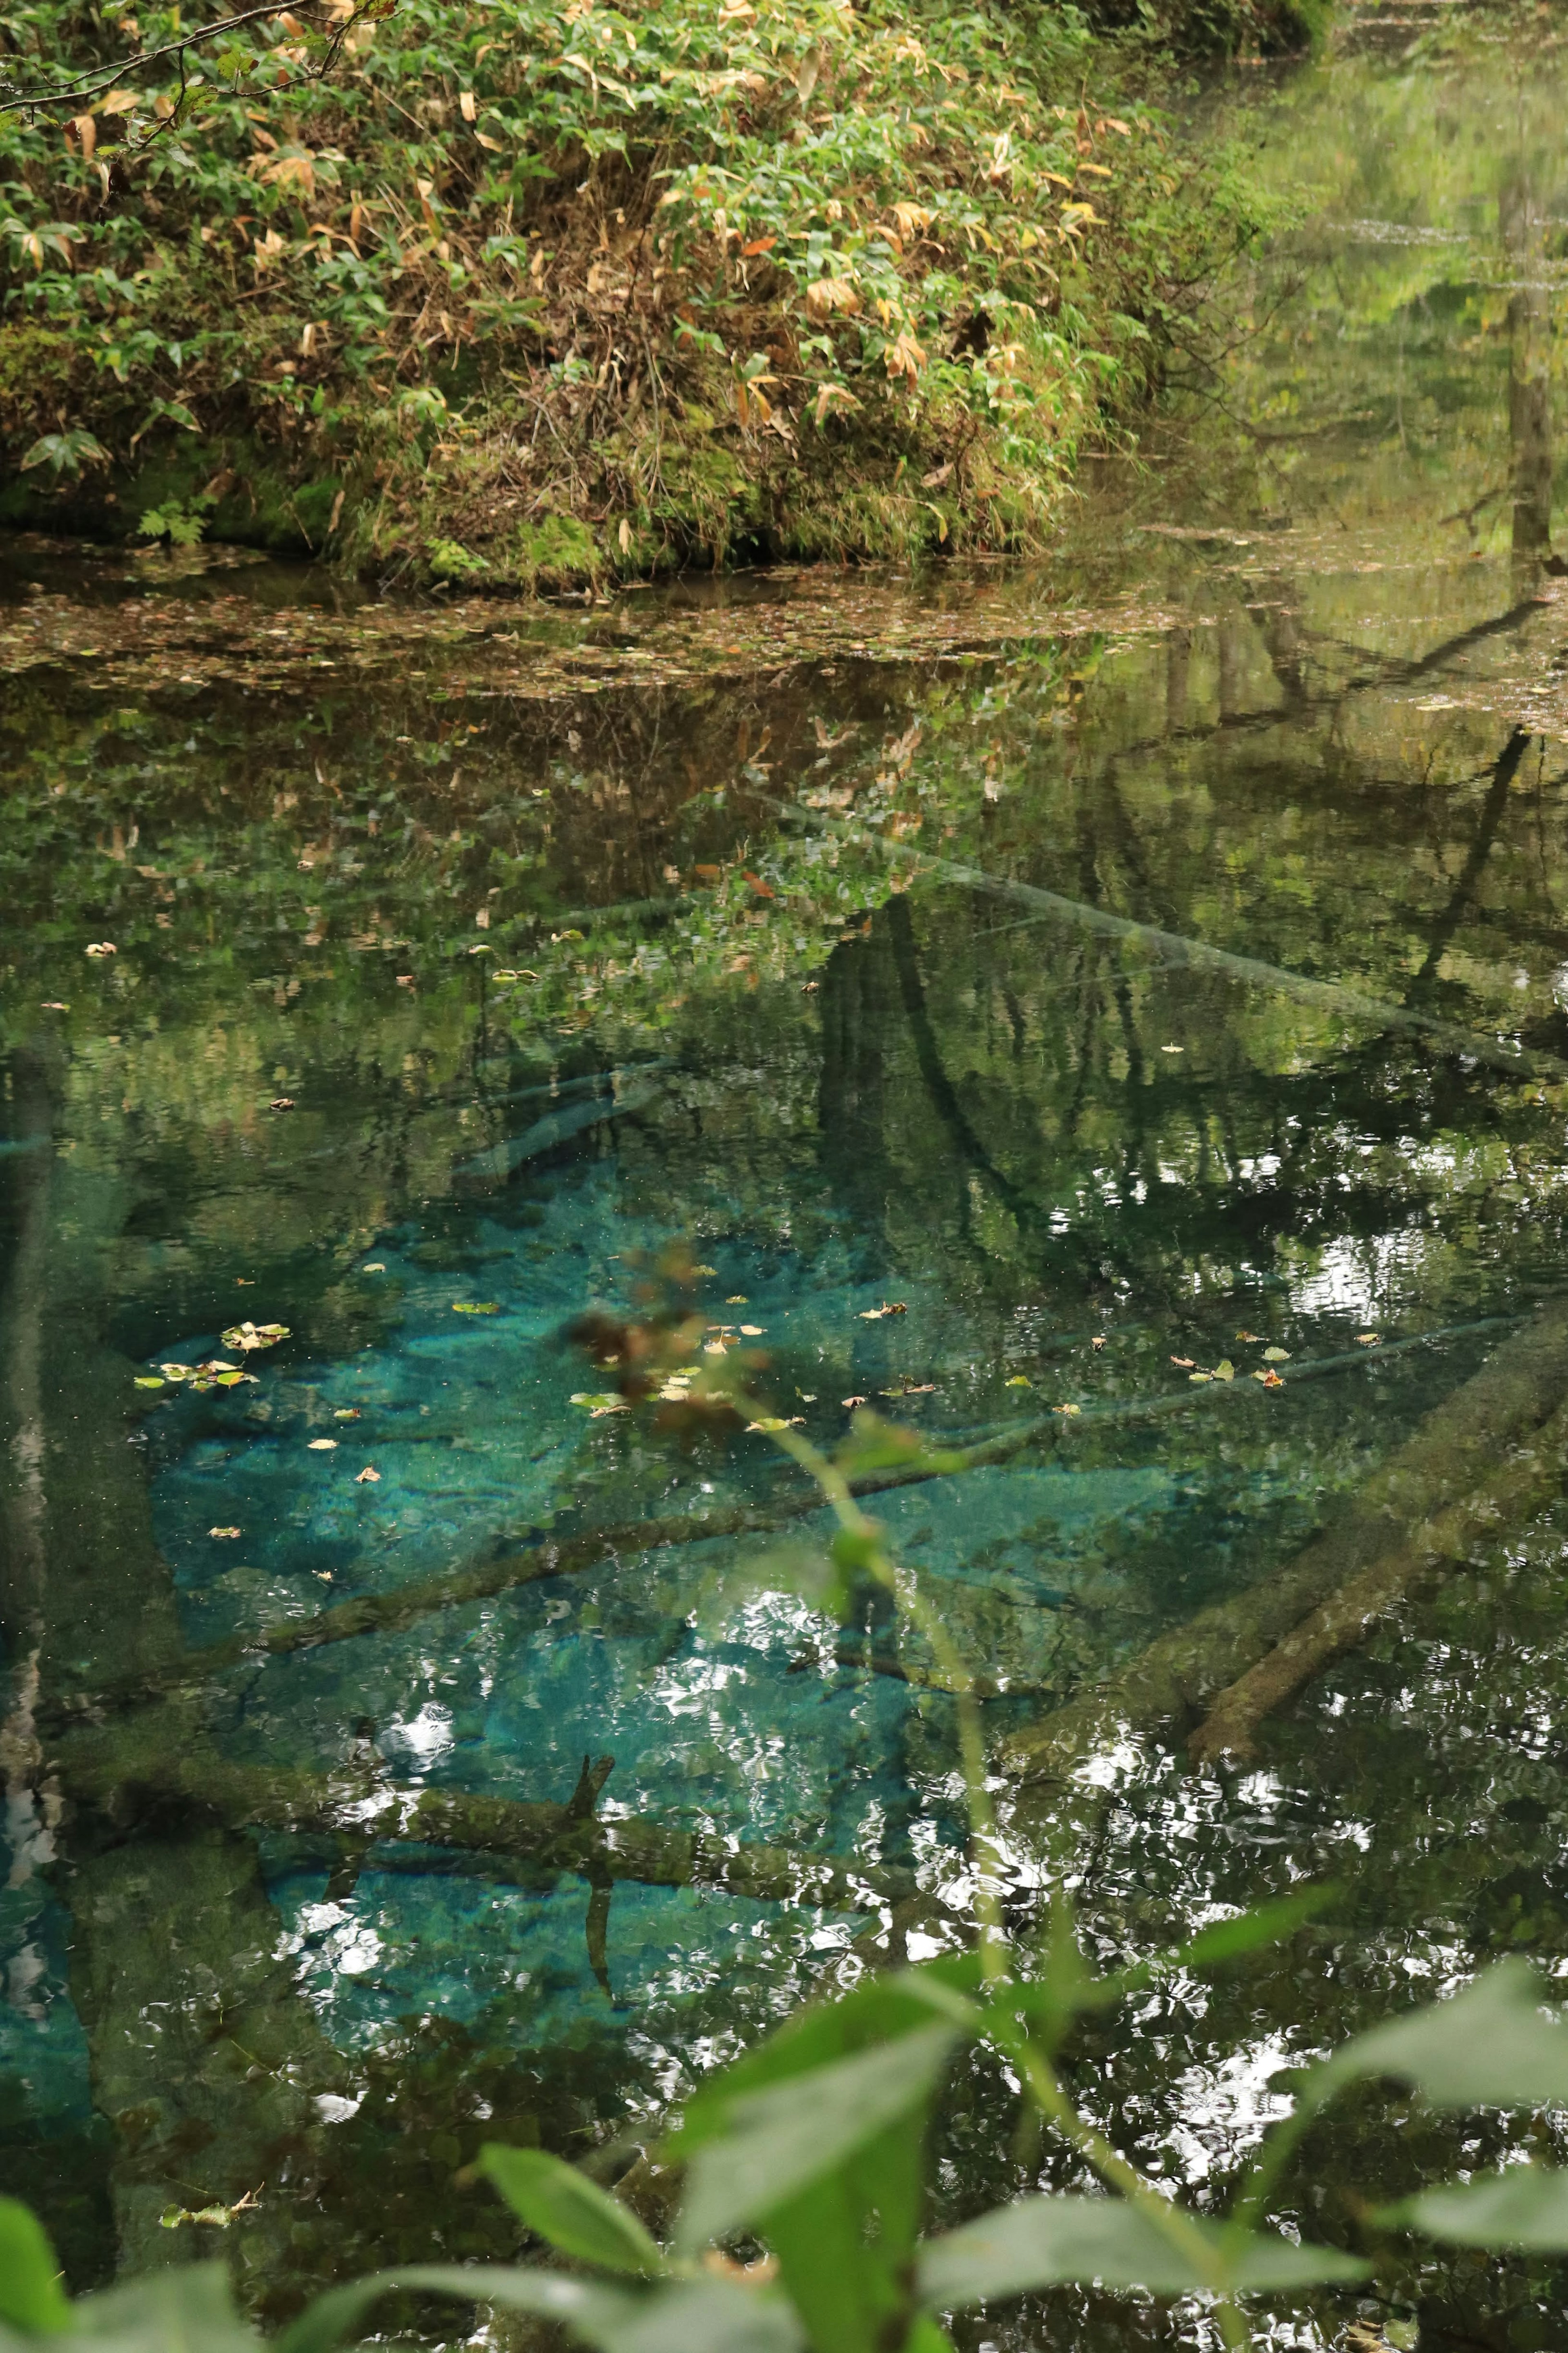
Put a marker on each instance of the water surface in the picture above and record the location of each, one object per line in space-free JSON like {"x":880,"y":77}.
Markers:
{"x":1120,"y":968}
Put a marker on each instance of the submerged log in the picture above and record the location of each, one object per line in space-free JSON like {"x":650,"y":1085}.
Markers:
{"x":356,"y":1818}
{"x":1452,"y":1456}
{"x":406,"y":1605}
{"x":1448,"y":1540}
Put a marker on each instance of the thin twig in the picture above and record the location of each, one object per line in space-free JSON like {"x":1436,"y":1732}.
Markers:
{"x":106,"y":77}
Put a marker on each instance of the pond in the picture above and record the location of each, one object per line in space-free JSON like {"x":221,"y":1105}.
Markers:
{"x":1003,"y":999}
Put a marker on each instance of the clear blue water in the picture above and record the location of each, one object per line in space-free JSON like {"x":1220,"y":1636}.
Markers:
{"x":844,"y":1056}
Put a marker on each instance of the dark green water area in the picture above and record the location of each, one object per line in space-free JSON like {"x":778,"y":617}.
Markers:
{"x":1121,"y":967}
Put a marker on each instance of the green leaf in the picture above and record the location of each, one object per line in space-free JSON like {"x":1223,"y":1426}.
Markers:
{"x":1043,"y":2241}
{"x":1526,"y":2207}
{"x":1488,"y":2047}
{"x":594,"y":2313}
{"x":573,"y":2213}
{"x":874,"y":1444}
{"x":1265,"y":1924}
{"x":707,"y":2316}
{"x":191,"y":2305}
{"x":892,"y":2004}
{"x":782,"y":2138}
{"x":845,"y":2241}
{"x":797,"y":1567}
{"x":31,"y":2296}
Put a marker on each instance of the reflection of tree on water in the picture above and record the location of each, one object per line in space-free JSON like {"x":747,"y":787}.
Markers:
{"x":1522,"y":227}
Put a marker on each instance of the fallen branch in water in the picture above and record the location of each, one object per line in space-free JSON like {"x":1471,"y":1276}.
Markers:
{"x":1447,"y":1541}
{"x":382,"y":1613}
{"x":355,"y":1819}
{"x":1450,"y":1457}
{"x":1176,"y":949}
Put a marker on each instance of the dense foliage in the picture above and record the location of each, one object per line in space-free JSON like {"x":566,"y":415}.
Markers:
{"x":562,"y":287}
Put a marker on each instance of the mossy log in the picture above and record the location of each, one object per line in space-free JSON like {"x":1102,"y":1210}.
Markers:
{"x":1455,"y":1455}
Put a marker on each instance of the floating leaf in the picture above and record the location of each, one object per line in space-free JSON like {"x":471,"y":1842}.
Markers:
{"x":1277,"y":1356}
{"x":150,"y":1381}
{"x":1270,"y":1380}
{"x":223,"y":1532}
{"x":1184,"y":1362}
{"x":321,"y":1445}
{"x":772,"y":1421}
{"x":475,"y":1307}
{"x":376,"y":1267}
{"x":1018,"y":1381}
{"x":753,"y":1331}
{"x":600,"y":1401}
{"x":1225,"y":1370}
{"x":345,"y":1413}
{"x":360,"y":1477}
{"x":1200,"y":1377}
{"x":101,"y":948}
{"x":255,"y":1336}
{"x":177,"y":1372}
{"x":1066,"y":1409}
{"x":281,"y":1102}
{"x":737,"y":1299}
{"x":1249,"y":1336}
{"x":1368,"y":1339}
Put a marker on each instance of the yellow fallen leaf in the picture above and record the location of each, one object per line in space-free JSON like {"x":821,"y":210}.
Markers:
{"x":1277,"y":1356}
{"x":321,"y":1445}
{"x":223,"y":1532}
{"x":361,"y":1476}
{"x":753,"y":1331}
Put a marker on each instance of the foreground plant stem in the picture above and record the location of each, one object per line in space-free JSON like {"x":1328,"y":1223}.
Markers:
{"x":1040,"y":2077}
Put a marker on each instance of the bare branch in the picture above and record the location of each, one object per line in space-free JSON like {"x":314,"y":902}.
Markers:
{"x":97,"y":83}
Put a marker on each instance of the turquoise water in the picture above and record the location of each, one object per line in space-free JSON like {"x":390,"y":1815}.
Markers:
{"x":1164,"y":966}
